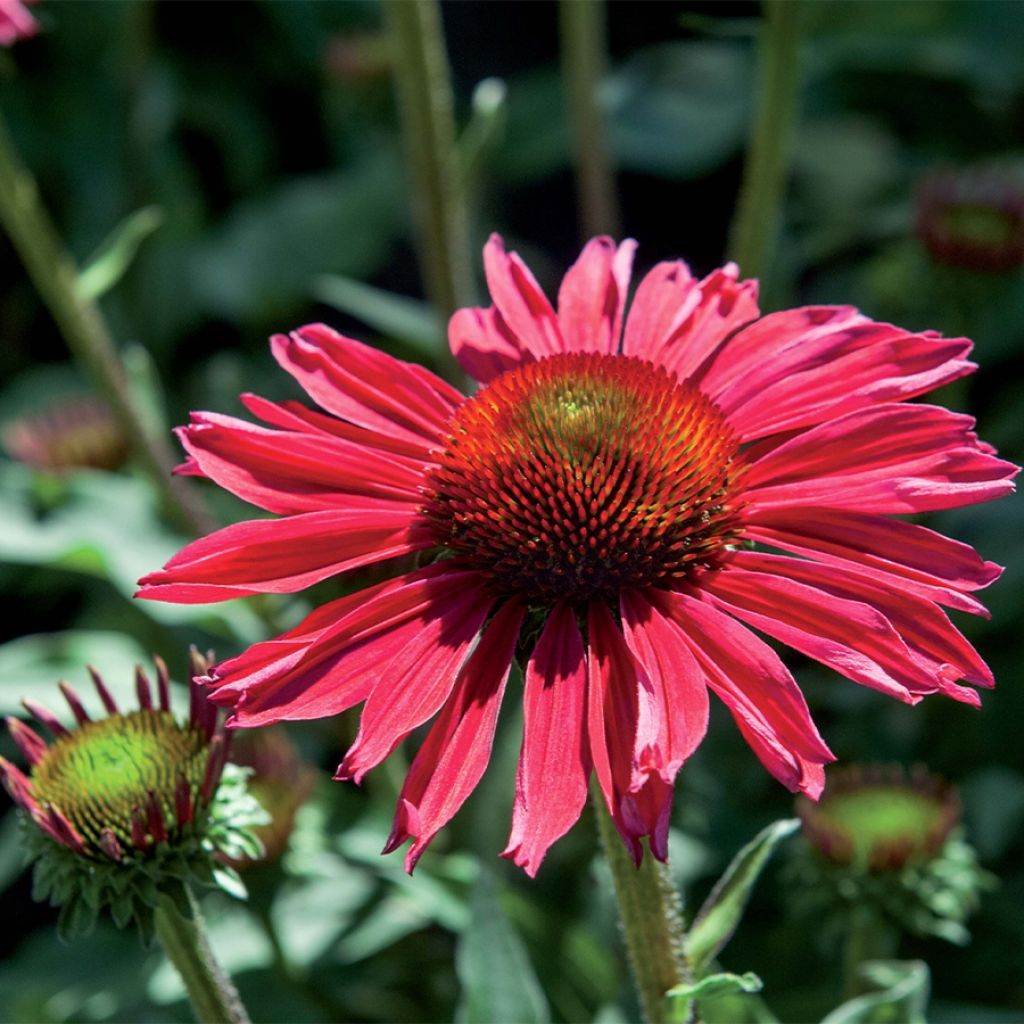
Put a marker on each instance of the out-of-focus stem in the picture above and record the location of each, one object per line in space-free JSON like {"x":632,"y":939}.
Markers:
{"x":652,"y":917}
{"x":211,"y":992}
{"x":55,"y":276}
{"x":756,"y":221}
{"x":583,"y":64}
{"x":868,"y":937}
{"x":428,"y":125}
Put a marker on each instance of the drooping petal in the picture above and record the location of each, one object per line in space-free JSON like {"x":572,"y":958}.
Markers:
{"x":288,"y":472}
{"x":887,"y":459}
{"x":593,"y":296}
{"x":366,"y":386}
{"x":455,"y":753}
{"x":890,"y":551}
{"x":281,"y":556}
{"x":851,"y":637}
{"x":798,"y":367}
{"x":519,"y":299}
{"x":551,"y":781}
{"x":678,"y":322}
{"x":759,"y":691}
{"x":484,"y":344}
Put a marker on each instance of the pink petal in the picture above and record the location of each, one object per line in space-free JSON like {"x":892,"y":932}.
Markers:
{"x":15,"y":22}
{"x":365,"y":386}
{"x":890,"y":551}
{"x":593,"y":296}
{"x":678,"y":322}
{"x":551,"y":782}
{"x":523,"y":306}
{"x":798,"y":367}
{"x":484,"y":344}
{"x":887,"y":458}
{"x":455,"y":753}
{"x":281,"y":556}
{"x":287,"y":472}
{"x":851,"y":637}
{"x":760,"y":693}
{"x":924,"y":627}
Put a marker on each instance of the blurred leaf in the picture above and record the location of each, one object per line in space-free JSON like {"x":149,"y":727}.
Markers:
{"x":394,"y":316}
{"x":31,"y":666}
{"x":115,"y":255}
{"x":720,"y":915}
{"x":498,"y":982}
{"x":903,"y":998}
{"x":12,"y":861}
{"x":681,"y":999}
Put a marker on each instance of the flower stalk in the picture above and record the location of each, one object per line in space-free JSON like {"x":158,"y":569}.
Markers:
{"x":652,"y":917}
{"x":426,"y":106}
{"x":758,"y":210}
{"x":211,"y":992}
{"x":81,"y":324}
{"x":582,"y":28}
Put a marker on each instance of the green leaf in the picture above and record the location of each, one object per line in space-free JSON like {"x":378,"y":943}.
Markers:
{"x":394,"y":316}
{"x":682,"y":997}
{"x":115,"y":255}
{"x":720,"y":915}
{"x":902,"y":999}
{"x":498,"y":982}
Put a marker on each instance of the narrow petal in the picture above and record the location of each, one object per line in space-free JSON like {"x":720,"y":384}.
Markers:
{"x":523,"y":306}
{"x":366,"y":386}
{"x":678,"y":322}
{"x":455,"y":753}
{"x":551,"y":782}
{"x":418,"y":680}
{"x":890,"y":551}
{"x":593,"y":296}
{"x":484,"y":344}
{"x":887,"y":459}
{"x":851,"y":637}
{"x":288,"y":472}
{"x":758,"y":690}
{"x":799,"y":367}
{"x":281,"y":556}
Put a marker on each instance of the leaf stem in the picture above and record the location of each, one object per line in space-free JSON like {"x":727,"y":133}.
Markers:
{"x":428,"y":125}
{"x":56,"y":278}
{"x":582,"y":25}
{"x":651,"y":913}
{"x":756,"y":221}
{"x":868,"y":937}
{"x":211,"y":992}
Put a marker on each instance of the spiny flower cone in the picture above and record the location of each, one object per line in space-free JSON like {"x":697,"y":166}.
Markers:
{"x":130,"y":805}
{"x":625,"y":503}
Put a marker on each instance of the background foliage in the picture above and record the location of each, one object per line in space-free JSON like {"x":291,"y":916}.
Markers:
{"x":264,"y":135}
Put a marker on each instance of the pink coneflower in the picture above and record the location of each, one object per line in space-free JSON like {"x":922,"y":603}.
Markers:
{"x":15,"y":21}
{"x":605,"y":505}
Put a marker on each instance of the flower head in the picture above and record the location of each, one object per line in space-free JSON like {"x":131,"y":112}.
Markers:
{"x":129,"y":805}
{"x":621,"y":500}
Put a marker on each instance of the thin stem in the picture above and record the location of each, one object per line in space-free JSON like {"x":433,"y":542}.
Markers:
{"x":55,"y":276}
{"x":756,"y":222}
{"x":211,"y":992}
{"x":428,"y":125}
{"x":583,"y":63}
{"x":868,"y":937}
{"x":652,"y":917}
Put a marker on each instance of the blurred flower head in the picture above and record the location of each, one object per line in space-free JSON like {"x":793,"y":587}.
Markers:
{"x":76,"y":433}
{"x":973,"y":218}
{"x":128,"y":805}
{"x":15,"y":21}
{"x":603,"y":504}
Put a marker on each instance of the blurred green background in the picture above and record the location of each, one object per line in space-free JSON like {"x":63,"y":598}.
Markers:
{"x":263,"y":141}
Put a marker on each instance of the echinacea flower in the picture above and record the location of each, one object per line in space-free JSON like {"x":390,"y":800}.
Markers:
{"x":127,"y":807}
{"x":606,"y":503}
{"x":16,"y":22}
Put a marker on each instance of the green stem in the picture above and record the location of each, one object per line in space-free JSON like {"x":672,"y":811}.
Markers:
{"x":55,"y":276}
{"x":583,"y":63}
{"x":756,"y":222}
{"x":428,"y":125}
{"x":652,"y":917}
{"x":868,"y":937}
{"x":211,"y":992}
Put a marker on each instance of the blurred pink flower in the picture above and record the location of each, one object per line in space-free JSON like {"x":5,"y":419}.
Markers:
{"x":15,"y":21}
